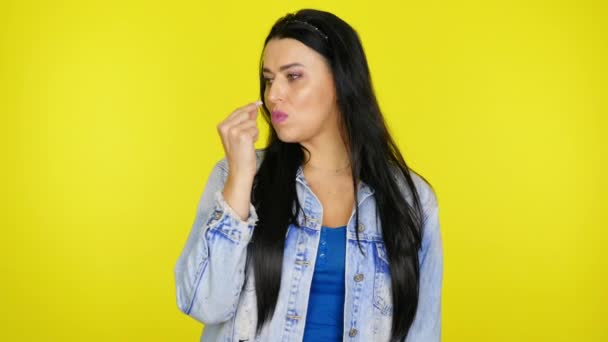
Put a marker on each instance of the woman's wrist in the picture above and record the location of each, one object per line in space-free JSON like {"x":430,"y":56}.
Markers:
{"x":237,"y":194}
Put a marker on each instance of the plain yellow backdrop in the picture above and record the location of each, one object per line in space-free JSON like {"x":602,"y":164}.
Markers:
{"x":108,"y":118}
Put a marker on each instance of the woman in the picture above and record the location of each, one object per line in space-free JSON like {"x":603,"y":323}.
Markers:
{"x":325,"y":235}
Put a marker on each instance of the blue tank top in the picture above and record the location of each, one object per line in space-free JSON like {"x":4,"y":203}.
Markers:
{"x":325,"y":316}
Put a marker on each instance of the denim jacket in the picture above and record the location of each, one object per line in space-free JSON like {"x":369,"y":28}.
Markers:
{"x":213,"y":288}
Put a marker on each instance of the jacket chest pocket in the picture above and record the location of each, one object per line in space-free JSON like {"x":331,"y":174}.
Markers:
{"x":383,"y":297}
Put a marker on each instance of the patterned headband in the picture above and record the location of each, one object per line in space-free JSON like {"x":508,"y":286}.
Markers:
{"x":309,"y":25}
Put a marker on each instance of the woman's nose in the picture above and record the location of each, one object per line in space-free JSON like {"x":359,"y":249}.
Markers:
{"x":276,"y":92}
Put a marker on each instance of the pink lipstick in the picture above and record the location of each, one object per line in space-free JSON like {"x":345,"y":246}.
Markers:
{"x":278,"y":116}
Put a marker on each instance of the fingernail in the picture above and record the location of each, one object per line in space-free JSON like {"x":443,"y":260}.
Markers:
{"x":257,"y":103}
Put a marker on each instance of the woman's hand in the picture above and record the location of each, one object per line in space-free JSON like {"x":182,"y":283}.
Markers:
{"x":239,"y":132}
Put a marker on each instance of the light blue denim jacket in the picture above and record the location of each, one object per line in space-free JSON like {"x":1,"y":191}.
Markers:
{"x":212,"y":287}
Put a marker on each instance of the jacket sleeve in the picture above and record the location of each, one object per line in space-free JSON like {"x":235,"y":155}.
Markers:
{"x":427,"y":322}
{"x":209,"y":273}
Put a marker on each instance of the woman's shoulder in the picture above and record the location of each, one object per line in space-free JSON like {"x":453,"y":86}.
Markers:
{"x":428,"y":197}
{"x":424,"y":189}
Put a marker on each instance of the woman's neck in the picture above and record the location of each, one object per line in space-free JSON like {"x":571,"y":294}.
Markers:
{"x":327,"y":154}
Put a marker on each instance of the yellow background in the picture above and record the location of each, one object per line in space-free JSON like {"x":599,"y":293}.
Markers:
{"x":108,"y":133}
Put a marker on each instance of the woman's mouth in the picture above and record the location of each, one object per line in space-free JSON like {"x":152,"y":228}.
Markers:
{"x":278,"y":116}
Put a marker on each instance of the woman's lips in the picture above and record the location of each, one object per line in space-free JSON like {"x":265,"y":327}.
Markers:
{"x":278,"y":116}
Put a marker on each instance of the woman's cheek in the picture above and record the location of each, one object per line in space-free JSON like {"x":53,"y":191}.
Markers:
{"x":304,"y":95}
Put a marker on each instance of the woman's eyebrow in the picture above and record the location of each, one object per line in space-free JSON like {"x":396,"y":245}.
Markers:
{"x":286,"y":66}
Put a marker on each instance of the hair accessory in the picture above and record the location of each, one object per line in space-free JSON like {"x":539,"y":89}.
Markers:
{"x":309,"y":25}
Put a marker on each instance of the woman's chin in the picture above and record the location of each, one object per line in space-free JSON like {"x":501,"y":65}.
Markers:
{"x":287,"y":138}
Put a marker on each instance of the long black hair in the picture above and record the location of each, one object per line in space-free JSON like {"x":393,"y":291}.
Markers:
{"x":374,"y":158}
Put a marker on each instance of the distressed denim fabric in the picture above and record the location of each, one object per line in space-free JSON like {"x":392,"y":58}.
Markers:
{"x":212,"y":287}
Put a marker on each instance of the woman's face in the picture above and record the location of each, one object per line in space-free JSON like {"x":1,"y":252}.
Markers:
{"x":300,"y":92}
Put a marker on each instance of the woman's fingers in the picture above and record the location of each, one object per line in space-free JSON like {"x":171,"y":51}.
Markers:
{"x":252,"y":132}
{"x":244,"y":130}
{"x":247,"y":119}
{"x":238,"y":133}
{"x":243,"y":113}
{"x":240,"y":124}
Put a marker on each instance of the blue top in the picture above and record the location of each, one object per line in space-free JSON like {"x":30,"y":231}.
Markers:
{"x":325,"y":317}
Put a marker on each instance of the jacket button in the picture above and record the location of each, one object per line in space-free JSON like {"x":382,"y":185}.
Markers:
{"x":359,"y":277}
{"x":217,"y":215}
{"x":361,"y":227}
{"x":352,"y":332}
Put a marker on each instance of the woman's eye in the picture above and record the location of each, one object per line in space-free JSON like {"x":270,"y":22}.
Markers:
{"x":293,"y":76}
{"x":290,"y":77}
